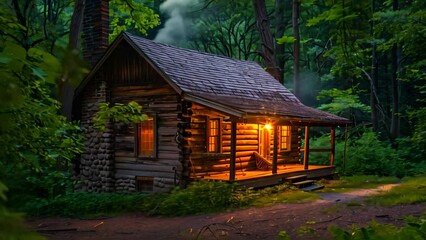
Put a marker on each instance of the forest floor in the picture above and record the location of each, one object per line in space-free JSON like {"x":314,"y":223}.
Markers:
{"x":300,"y":221}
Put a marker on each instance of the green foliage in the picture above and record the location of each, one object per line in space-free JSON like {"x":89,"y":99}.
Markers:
{"x":199,"y":197}
{"x":414,"y":229}
{"x":283,"y":235}
{"x":119,"y":113}
{"x":12,"y":226}
{"x":411,"y":190}
{"x":226,"y":28}
{"x":36,"y":24}
{"x":343,"y":102}
{"x":286,"y":39}
{"x":365,"y":155}
{"x":305,"y":230}
{"x":84,"y":204}
{"x":133,"y":14}
{"x":35,"y":138}
{"x":368,"y":155}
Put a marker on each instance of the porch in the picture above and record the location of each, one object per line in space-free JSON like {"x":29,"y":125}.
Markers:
{"x":262,"y":178}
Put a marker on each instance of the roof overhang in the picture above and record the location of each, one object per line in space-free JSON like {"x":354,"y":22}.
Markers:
{"x":243,"y":116}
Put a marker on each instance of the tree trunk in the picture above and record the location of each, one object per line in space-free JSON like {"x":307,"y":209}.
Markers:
{"x":374,"y":75}
{"x":267,"y":44}
{"x":280,"y":24}
{"x":394,"y":130}
{"x":76,"y":24}
{"x":66,"y":90}
{"x":296,"y":47}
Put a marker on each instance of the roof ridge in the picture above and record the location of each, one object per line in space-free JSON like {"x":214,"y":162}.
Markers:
{"x":187,"y":49}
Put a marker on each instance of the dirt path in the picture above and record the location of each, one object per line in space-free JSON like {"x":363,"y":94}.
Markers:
{"x":300,"y":221}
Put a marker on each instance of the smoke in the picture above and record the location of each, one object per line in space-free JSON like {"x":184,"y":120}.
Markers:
{"x":176,"y":27}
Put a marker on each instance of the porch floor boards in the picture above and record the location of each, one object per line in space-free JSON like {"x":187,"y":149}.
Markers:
{"x":286,"y":170}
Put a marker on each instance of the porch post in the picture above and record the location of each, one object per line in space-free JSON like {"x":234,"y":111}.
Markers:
{"x":306,"y":148}
{"x":275,"y":151}
{"x":332,"y":143}
{"x":233,"y":151}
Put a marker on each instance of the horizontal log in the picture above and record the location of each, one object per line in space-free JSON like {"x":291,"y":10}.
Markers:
{"x":125,"y":159}
{"x":317,"y":150}
{"x":147,"y":167}
{"x":132,"y":174}
{"x":241,"y":142}
{"x":167,"y":130}
{"x":200,"y":131}
{"x":241,"y":132}
{"x":168,"y":149}
{"x":130,"y":138}
{"x":124,"y":154}
{"x":241,"y":137}
{"x":168,"y":155}
{"x":242,"y":148}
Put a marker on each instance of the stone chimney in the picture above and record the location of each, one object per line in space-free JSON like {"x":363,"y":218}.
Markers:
{"x":95,"y":29}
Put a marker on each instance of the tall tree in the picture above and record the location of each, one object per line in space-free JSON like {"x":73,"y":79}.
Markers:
{"x":374,"y":73}
{"x":394,"y":131}
{"x":218,"y":29}
{"x":280,"y":25}
{"x":267,"y":44}
{"x":296,"y":47}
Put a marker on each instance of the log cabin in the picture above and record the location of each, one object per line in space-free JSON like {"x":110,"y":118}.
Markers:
{"x":211,"y":117}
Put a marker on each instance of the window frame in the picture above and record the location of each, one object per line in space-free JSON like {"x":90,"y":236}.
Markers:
{"x":218,"y":136}
{"x":288,"y":140}
{"x":138,"y":138}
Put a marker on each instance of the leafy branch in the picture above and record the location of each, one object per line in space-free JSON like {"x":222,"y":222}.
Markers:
{"x":119,"y":113}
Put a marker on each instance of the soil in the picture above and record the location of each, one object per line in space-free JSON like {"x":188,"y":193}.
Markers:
{"x":300,"y":221}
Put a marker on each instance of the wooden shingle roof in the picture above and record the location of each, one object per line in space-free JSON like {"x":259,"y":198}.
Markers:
{"x":236,"y":87}
{"x":242,"y":86}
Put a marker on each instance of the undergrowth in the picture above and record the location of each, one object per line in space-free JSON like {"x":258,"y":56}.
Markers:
{"x":415,"y":228}
{"x":410,"y":191}
{"x":199,"y":197}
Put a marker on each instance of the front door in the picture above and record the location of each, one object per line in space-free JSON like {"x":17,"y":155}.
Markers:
{"x":265,"y":140}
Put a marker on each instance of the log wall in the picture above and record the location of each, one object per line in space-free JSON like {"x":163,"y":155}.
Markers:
{"x":247,"y":143}
{"x":110,"y":161}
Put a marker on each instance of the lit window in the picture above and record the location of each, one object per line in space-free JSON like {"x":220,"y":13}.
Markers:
{"x":285,"y":138}
{"x":213,"y":136}
{"x":146,"y":138}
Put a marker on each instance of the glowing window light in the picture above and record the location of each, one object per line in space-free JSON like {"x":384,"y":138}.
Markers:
{"x":268,"y":126}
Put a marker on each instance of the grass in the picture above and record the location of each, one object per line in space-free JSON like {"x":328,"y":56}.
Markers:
{"x":349,"y":183}
{"x":411,"y":191}
{"x":332,"y":209}
{"x":293,"y":196}
{"x":200,"y":197}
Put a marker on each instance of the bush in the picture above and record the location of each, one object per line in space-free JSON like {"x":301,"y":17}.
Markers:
{"x":414,"y":229}
{"x":365,"y":155}
{"x":199,"y":197}
{"x":12,"y":225}
{"x":84,"y":204}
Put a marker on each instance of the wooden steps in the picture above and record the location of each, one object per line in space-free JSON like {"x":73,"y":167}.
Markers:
{"x":302,"y":182}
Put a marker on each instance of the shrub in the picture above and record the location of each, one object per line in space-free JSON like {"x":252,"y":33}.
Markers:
{"x":199,"y":197}
{"x":414,"y":229}
{"x":84,"y":204}
{"x":365,"y":155}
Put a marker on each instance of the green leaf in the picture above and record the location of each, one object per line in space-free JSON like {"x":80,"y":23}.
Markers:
{"x":38,"y":72}
{"x":286,"y":39}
